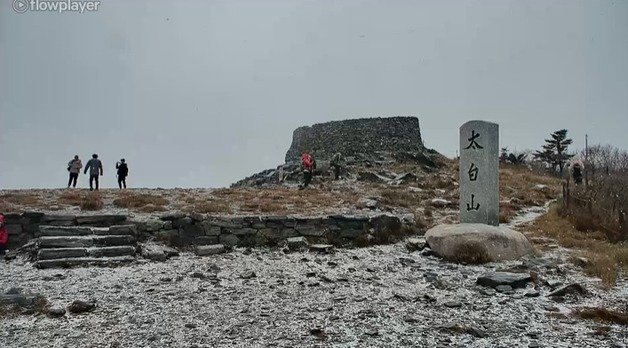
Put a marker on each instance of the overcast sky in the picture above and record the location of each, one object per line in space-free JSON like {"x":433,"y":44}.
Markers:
{"x":204,"y":93}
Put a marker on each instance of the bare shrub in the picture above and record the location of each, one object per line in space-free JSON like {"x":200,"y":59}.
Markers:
{"x":71,"y":198}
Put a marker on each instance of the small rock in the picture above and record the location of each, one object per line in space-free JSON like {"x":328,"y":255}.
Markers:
{"x":573,"y":289}
{"x":56,"y":312}
{"x":297,"y":243}
{"x":79,"y":306}
{"x":503,"y":288}
{"x":206,"y":250}
{"x":415,"y":244}
{"x":440,"y":203}
{"x":533,"y":293}
{"x":411,"y":319}
{"x":190,"y":325}
{"x":248,"y":275}
{"x":197,"y":275}
{"x":322,"y":248}
{"x":452,"y":304}
{"x":476,"y":331}
{"x":515,"y":280}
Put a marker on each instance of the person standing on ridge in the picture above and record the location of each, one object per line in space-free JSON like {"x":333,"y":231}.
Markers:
{"x":95,"y":167}
{"x":123,"y":171}
{"x":4,"y":235}
{"x":307,"y":166}
{"x":74,"y":167}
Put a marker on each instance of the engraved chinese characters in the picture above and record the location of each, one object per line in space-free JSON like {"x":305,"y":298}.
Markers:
{"x":479,"y":173}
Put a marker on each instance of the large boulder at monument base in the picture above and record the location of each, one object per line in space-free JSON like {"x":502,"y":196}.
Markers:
{"x":477,"y":243}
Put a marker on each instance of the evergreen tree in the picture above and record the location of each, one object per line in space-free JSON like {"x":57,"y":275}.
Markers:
{"x":554,"y":151}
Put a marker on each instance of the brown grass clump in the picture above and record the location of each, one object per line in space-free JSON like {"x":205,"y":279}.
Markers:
{"x":23,"y":199}
{"x":71,"y":198}
{"x":139,"y":200}
{"x":92,"y":201}
{"x":211,"y":206}
{"x":399,"y":198}
{"x":472,"y":254}
{"x":605,"y":259}
{"x":602,"y":315}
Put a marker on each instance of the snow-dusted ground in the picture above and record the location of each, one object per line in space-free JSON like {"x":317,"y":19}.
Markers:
{"x":379,"y":296}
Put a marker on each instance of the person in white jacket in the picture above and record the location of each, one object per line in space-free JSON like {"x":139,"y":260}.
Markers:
{"x":74,"y":167}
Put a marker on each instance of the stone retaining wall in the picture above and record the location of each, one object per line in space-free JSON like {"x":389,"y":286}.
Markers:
{"x":182,"y":230}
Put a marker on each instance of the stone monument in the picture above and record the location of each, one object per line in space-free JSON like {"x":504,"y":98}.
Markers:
{"x":479,"y":173}
{"x":478,"y":238}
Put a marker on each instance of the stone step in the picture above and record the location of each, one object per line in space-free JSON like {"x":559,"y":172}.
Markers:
{"x":47,"y":230}
{"x":67,"y":253}
{"x":84,"y":261}
{"x":61,"y":253}
{"x":84,"y":241}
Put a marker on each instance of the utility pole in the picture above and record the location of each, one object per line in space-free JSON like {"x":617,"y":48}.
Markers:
{"x":586,"y":160}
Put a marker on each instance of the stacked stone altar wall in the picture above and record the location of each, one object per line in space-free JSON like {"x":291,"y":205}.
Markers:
{"x":183,"y":230}
{"x":357,"y":137}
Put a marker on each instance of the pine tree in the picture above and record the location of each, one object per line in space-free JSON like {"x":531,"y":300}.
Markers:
{"x":554,"y":151}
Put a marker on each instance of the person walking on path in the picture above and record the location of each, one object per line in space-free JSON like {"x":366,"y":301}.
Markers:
{"x":123,"y":171}
{"x":4,"y":235}
{"x":74,"y":167}
{"x":94,"y":166}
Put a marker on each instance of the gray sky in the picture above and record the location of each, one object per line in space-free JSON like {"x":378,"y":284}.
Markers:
{"x":204,"y":93}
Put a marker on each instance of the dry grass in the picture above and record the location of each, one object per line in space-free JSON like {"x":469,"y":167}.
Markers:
{"x":73,"y":198}
{"x":605,"y":259}
{"x":210,"y":207}
{"x":21,"y":199}
{"x":138,"y":201}
{"x":602,"y":315}
{"x":92,"y":201}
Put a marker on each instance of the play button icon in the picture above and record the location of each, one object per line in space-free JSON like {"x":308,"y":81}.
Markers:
{"x":20,"y":6}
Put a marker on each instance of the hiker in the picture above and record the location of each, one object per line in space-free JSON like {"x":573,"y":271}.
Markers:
{"x":336,"y":163}
{"x":308,"y":164}
{"x":4,"y":235}
{"x":576,"y":172}
{"x":123,"y":171}
{"x":74,"y":167}
{"x":94,"y":166}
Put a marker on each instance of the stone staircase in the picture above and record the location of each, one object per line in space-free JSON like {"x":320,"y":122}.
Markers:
{"x":69,"y":246}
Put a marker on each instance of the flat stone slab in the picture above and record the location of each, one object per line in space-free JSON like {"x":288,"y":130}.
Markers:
{"x":496,"y":279}
{"x":205,"y":250}
{"x":497,"y":242}
{"x":84,"y":261}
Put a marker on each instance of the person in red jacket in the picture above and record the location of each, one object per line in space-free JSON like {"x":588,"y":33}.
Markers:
{"x":308,"y":164}
{"x":4,"y":235}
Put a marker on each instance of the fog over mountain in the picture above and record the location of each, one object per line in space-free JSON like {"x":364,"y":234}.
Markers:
{"x":204,"y":93}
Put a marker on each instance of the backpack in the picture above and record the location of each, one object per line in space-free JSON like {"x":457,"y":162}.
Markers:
{"x":307,"y":161}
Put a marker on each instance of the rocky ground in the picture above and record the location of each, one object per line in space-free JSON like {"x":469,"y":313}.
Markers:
{"x":381,"y":296}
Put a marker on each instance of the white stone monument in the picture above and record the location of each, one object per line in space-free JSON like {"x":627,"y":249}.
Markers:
{"x":478,"y":235}
{"x":479,"y":173}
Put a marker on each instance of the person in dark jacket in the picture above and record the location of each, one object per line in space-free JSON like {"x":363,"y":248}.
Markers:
{"x":4,"y":235}
{"x":94,"y":166}
{"x":123,"y":171}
